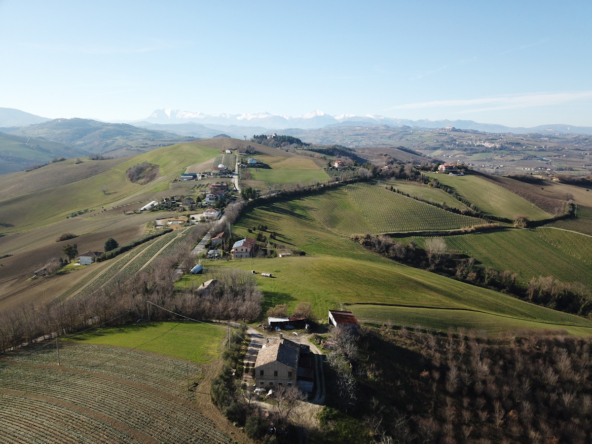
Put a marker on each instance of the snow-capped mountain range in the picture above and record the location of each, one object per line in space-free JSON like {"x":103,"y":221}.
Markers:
{"x":318,"y":119}
{"x":314,"y":119}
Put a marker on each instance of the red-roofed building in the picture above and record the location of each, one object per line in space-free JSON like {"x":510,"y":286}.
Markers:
{"x":339,"y":318}
{"x":447,"y":168}
{"x":339,"y":164}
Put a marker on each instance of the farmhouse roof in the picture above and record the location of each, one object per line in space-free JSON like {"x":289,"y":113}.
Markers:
{"x":282,"y":351}
{"x":221,"y":235}
{"x":270,"y":320}
{"x":92,"y":254}
{"x":344,"y":317}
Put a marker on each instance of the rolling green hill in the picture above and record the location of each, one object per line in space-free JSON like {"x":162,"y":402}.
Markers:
{"x":530,"y":253}
{"x":52,"y":204}
{"x":490,"y":198}
{"x":96,"y":137}
{"x":17,"y":152}
{"x":337,"y":272}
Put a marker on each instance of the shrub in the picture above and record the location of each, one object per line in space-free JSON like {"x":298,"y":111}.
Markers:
{"x":117,"y":251}
{"x":256,"y":427}
{"x":66,"y":236}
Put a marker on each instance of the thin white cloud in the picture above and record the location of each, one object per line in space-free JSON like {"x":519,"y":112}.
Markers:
{"x":503,"y":102}
{"x":523,"y":47}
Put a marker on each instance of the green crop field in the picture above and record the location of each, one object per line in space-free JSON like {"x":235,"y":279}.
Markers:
{"x":52,"y":204}
{"x":105,"y":394}
{"x":199,"y":343}
{"x":284,"y":170}
{"x":337,"y":271}
{"x":490,"y":198}
{"x":531,"y":253}
{"x":389,"y":212}
{"x":426,"y":193}
{"x":582,"y":224}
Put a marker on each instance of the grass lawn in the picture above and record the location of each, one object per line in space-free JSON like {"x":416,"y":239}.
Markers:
{"x":199,"y":343}
{"x":490,"y":198}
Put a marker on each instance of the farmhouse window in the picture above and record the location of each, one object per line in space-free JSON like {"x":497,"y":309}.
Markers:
{"x":275,"y":373}
{"x":289,"y":374}
{"x":270,"y":383}
{"x":279,"y":383}
{"x":289,"y":384}
{"x":261,"y":373}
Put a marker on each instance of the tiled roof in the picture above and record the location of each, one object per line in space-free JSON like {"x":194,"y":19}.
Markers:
{"x":344,"y":317}
{"x":282,"y":351}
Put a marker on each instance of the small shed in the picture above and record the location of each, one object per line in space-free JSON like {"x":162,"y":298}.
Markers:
{"x":339,"y":318}
{"x":197,"y":269}
{"x":149,"y":206}
{"x":278,"y":322}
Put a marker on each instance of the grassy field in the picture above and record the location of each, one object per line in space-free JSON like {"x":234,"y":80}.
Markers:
{"x":424,"y":192}
{"x":530,"y":253}
{"x":490,"y":198}
{"x":53,"y":204}
{"x":583,"y":223}
{"x":442,"y":319}
{"x":387,"y":211}
{"x":336,"y":272}
{"x":199,"y":343}
{"x":285,"y":170}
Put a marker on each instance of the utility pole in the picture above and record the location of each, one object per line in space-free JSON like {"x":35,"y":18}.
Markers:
{"x":228,"y":334}
{"x":148,"y":304}
{"x":58,"y":349}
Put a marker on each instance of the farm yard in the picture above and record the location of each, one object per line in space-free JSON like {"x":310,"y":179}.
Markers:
{"x":491,"y":198}
{"x":110,"y":394}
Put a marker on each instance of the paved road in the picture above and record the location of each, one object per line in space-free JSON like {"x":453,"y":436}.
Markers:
{"x":235,"y":178}
{"x":201,"y":246}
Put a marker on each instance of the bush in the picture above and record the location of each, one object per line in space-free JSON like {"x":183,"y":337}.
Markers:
{"x":66,"y":236}
{"x":256,"y":427}
{"x":236,"y":412}
{"x":111,"y":244}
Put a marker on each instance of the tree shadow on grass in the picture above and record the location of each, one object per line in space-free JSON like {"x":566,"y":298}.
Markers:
{"x":273,"y":298}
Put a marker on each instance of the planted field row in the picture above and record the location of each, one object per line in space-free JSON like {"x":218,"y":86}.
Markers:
{"x":144,"y":410}
{"x":29,"y":420}
{"x":156,"y":371}
{"x":582,"y":224}
{"x":391,"y":212}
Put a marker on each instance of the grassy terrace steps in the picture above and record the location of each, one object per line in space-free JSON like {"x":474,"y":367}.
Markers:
{"x":491,"y":198}
{"x":530,"y":253}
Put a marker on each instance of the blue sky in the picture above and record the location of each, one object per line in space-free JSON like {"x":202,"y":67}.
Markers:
{"x":518,"y":63}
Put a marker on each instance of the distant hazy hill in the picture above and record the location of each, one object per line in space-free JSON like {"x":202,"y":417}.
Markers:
{"x":15,"y":117}
{"x":17,"y":152}
{"x":318,"y":119}
{"x":96,"y":137}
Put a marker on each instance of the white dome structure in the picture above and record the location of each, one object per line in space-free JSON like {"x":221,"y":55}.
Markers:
{"x":221,"y":166}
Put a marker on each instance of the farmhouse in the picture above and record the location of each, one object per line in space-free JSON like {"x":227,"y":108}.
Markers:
{"x":447,"y":168}
{"x":188,"y":176}
{"x":244,"y":248}
{"x":285,"y":363}
{"x":252,"y":162}
{"x":338,"y":164}
{"x":211,"y":214}
{"x":88,"y":257}
{"x":218,"y":185}
{"x":339,"y":318}
{"x":219,"y":238}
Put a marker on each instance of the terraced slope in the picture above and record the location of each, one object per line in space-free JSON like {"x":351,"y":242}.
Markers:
{"x":491,"y":198}
{"x":582,"y":224}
